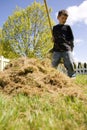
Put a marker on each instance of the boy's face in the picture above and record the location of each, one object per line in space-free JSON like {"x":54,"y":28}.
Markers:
{"x":62,"y":19}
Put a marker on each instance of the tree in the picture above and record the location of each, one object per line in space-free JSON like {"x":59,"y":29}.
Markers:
{"x":1,"y":47}
{"x":5,"y":48}
{"x":27,"y":31}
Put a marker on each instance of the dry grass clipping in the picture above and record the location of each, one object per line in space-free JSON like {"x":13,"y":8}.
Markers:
{"x":32,"y":76}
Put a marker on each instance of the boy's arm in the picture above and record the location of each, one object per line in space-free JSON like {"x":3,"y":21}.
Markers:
{"x":53,"y":34}
{"x":71,"y":37}
{"x":53,"y":40}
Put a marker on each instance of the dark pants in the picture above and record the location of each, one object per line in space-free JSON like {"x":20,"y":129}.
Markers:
{"x":68,"y":61}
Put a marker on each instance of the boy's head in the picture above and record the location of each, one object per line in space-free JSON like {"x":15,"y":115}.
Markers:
{"x":62,"y":16}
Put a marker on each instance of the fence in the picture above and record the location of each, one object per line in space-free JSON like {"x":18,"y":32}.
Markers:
{"x":81,"y":68}
{"x":3,"y":62}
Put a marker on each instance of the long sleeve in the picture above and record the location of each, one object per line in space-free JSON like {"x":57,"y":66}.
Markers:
{"x":70,"y":37}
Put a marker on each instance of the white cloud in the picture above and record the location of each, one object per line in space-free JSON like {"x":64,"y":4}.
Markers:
{"x":78,"y":41}
{"x":78,"y":14}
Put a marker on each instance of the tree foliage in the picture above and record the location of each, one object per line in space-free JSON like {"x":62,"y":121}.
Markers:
{"x":26,"y":32}
{"x":5,"y":48}
{"x":1,"y":46}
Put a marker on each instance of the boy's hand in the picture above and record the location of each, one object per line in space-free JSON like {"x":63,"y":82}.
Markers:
{"x":52,"y":39}
{"x":51,"y":50}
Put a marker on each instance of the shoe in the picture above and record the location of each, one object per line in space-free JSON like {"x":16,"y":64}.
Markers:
{"x":73,"y":76}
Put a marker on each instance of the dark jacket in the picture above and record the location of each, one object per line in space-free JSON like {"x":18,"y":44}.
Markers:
{"x":63,"y":38}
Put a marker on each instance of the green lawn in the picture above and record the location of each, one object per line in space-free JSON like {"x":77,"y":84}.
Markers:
{"x":81,"y":79}
{"x":47,"y":112}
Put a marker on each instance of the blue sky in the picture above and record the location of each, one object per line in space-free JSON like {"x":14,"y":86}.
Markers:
{"x":77,"y":19}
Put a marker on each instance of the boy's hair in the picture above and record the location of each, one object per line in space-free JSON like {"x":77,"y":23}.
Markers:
{"x":63,"y":12}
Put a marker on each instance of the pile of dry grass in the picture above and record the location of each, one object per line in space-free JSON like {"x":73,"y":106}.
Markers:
{"x":31,"y":77}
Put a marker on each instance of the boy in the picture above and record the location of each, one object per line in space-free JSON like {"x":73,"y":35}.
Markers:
{"x":63,"y":43}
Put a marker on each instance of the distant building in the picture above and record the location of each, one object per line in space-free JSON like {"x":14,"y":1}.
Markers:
{"x":3,"y":62}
